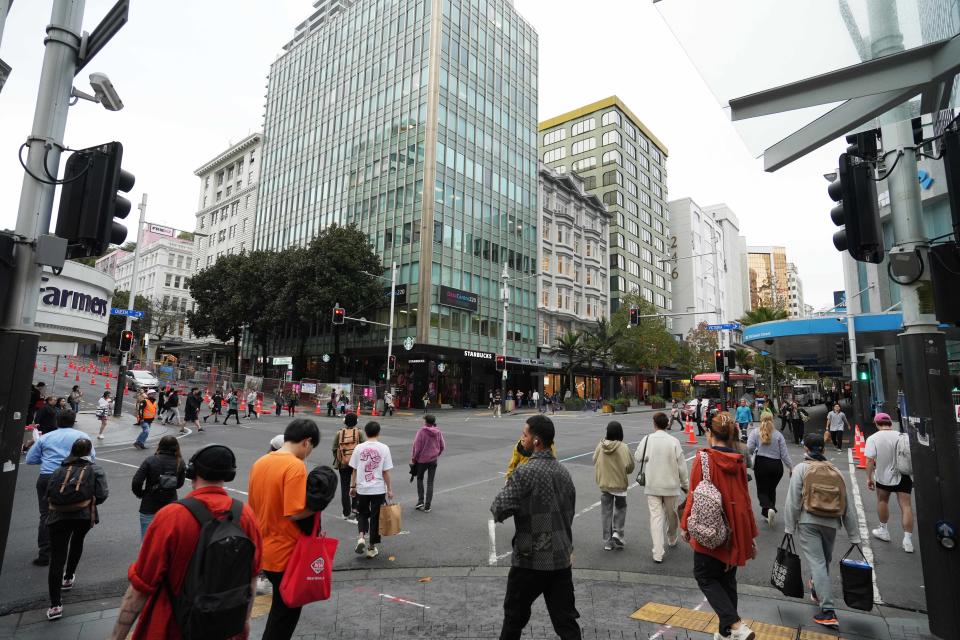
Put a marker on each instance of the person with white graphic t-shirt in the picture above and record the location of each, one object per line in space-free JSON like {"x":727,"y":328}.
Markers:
{"x":371,"y":485}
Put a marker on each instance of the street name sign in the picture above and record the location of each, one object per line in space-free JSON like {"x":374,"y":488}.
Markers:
{"x":133,"y":313}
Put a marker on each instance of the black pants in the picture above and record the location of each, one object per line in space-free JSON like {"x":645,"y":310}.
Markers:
{"x":278,"y":407}
{"x":43,"y":532}
{"x":252,"y":410}
{"x":331,"y":412}
{"x":349,"y":504}
{"x":768,"y":471}
{"x":677,"y":420}
{"x":837,"y":437}
{"x":524,"y":586}
{"x":719,"y":586}
{"x":66,"y":547}
{"x":282,"y":620}
{"x":234,"y":413}
{"x":430,"y":469}
{"x":699,"y":422}
{"x":368,"y":520}
{"x":797,"y":426}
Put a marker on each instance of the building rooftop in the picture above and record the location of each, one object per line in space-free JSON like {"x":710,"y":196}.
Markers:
{"x":603,"y":104}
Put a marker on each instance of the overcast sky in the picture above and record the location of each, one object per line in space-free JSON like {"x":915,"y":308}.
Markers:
{"x":192,"y":76}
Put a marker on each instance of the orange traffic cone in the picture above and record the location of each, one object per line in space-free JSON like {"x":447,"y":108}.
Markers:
{"x":358,"y":407}
{"x":316,"y":411}
{"x":243,"y":404}
{"x":107,"y":385}
{"x":93,"y":380}
{"x":691,"y":439}
{"x":66,"y":374}
{"x":77,"y":379}
{"x":374,"y":412}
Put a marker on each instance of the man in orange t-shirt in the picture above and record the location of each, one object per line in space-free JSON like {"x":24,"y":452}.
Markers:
{"x":278,"y":497}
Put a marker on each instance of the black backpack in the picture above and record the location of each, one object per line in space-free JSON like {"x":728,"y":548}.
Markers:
{"x":213,"y":601}
{"x":72,"y":486}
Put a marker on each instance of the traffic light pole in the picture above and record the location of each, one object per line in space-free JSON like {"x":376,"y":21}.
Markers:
{"x":131,"y":299}
{"x":505,"y":294}
{"x":19,"y":336}
{"x":393,"y":300}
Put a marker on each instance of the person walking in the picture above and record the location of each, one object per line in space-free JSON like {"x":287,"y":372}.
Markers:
{"x":73,"y":493}
{"x":252,"y":405}
{"x":715,"y":569}
{"x":768,"y":449}
{"x":371,"y":485}
{"x":173,"y":408}
{"x":38,"y":393}
{"x":277,"y":495}
{"x":818,"y":531}
{"x":884,"y":478}
{"x":344,"y":442}
{"x":49,"y":451}
{"x":191,"y":409}
{"x":157,"y":479}
{"x":426,"y":402}
{"x":104,"y":411}
{"x":75,"y":398}
{"x":664,"y":470}
{"x":160,"y":572}
{"x":292,"y":400}
{"x":46,"y":416}
{"x":676,"y":415}
{"x":497,"y":404}
{"x":744,"y":417}
{"x":535,"y":398}
{"x":541,"y":499}
{"x":342,"y":403}
{"x":612,"y":466}
{"x":388,"y":403}
{"x":278,"y":401}
{"x":162,"y":401}
{"x":233,"y":408}
{"x":138,"y":403}
{"x":798,"y":417}
{"x":216,"y":402}
{"x":427,"y":446}
{"x":699,"y":415}
{"x":837,"y":421}
{"x":149,"y":411}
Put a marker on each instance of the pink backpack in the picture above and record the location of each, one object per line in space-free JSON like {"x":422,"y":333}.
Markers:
{"x":707,"y":523}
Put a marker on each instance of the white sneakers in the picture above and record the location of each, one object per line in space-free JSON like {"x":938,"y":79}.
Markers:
{"x":264,"y":588}
{"x":372,"y":551}
{"x":908,"y":543}
{"x":361,"y":545}
{"x":881,"y":533}
{"x":771,"y":517}
{"x":743,"y":633}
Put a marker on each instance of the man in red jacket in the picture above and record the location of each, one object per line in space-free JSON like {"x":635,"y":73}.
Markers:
{"x":169,"y":545}
{"x":716,"y":569}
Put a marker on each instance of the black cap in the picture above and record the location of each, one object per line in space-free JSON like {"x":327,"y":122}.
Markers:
{"x":813,"y":441}
{"x":215,"y":462}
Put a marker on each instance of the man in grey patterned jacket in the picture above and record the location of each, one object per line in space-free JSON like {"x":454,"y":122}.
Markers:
{"x":541,"y":498}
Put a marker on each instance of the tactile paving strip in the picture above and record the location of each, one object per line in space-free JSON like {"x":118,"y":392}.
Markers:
{"x":707,"y":622}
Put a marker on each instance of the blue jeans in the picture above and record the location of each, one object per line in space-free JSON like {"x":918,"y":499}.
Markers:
{"x":145,"y":520}
{"x":144,"y":430}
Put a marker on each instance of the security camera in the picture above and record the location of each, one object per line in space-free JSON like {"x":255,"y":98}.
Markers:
{"x":106,"y":94}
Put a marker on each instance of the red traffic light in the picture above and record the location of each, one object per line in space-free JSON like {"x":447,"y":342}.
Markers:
{"x":634,"y":316}
{"x":339,"y":314}
{"x":719,"y":364}
{"x":501,"y":363}
{"x":126,"y":340}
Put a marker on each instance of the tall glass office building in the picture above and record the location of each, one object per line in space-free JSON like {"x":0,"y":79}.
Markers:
{"x":416,"y":120}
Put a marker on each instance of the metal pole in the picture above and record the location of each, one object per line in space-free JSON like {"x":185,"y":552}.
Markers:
{"x":19,"y":337}
{"x":393,"y":286}
{"x":851,"y":321}
{"x":4,"y":10}
{"x":505,"y":294}
{"x":131,"y":299}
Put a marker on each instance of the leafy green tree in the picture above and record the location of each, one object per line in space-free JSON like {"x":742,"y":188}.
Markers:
{"x":762,"y":314}
{"x":570,"y":346}
{"x":223,"y":300}
{"x":647,"y":346}
{"x":696,"y":350}
{"x":600,"y":344}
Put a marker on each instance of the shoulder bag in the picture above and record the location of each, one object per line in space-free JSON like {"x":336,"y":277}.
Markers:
{"x":641,"y":476}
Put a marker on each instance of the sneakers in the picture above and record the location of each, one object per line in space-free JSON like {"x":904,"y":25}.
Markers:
{"x":67,"y":583}
{"x":99,"y":437}
{"x":54,"y":613}
{"x":137,"y":445}
{"x":41,"y":561}
{"x":264,"y":588}
{"x":373,"y":552}
{"x":771,"y":517}
{"x":908,"y":543}
{"x":419,"y":506}
{"x":617,"y":540}
{"x":742,"y":633}
{"x":881,"y":533}
{"x":427,"y":509}
{"x":827,"y":619}
{"x":361,"y":545}
{"x":609,"y":545}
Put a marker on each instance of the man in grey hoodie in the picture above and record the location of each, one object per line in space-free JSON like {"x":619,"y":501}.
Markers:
{"x":818,"y":534}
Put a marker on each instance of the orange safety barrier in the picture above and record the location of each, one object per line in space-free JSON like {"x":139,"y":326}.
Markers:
{"x":691,"y":439}
{"x":317,"y":411}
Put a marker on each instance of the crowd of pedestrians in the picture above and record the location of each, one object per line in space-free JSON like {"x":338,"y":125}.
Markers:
{"x":703,"y":500}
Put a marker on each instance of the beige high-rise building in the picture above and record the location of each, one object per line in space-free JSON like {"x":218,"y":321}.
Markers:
{"x":767,"y":274}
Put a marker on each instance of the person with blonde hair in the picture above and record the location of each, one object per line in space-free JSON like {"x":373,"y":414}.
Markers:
{"x":768,"y":448}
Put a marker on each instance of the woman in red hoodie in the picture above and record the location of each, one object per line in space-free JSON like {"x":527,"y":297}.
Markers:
{"x":427,"y":447}
{"x":716,"y":569}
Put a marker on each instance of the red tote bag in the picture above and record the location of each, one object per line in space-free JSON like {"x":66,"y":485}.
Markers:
{"x":309,"y":574}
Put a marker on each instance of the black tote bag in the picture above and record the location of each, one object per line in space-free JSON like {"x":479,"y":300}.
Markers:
{"x":785,"y":575}
{"x":856,"y":576}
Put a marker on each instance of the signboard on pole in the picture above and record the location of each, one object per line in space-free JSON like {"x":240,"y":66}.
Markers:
{"x":282,"y":360}
{"x":133,"y":313}
{"x":160,"y":230}
{"x":727,"y":326}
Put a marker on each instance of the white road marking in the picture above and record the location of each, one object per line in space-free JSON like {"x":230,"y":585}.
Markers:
{"x":864,"y":528}
{"x":667,"y":627}
{"x":391,"y":598}
{"x":492,"y":530}
{"x":465,"y":486}
{"x":133,"y":466}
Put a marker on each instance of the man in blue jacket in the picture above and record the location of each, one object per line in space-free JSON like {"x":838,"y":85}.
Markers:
{"x":744,"y":418}
{"x":49,"y":452}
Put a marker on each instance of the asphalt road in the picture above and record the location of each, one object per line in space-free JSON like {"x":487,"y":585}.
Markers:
{"x":458,"y":530}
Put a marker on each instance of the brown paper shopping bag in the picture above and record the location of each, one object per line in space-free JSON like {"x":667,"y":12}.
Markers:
{"x":390,"y":519}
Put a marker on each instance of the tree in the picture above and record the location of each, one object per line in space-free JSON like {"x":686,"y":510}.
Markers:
{"x":600,"y":343}
{"x":223,"y":300}
{"x":647,"y":346}
{"x":116,"y":324}
{"x":165,"y":318}
{"x":129,"y":246}
{"x":696,"y":350}
{"x":570,"y":346}
{"x":762,"y":314}
{"x":90,"y":261}
{"x":185,"y":235}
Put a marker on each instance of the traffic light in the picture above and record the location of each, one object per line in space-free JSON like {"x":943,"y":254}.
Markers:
{"x":501,"y":363}
{"x":392,"y":366}
{"x":718,"y":360}
{"x":842,"y":350}
{"x":382,"y":374}
{"x":89,"y":203}
{"x":855,"y":191}
{"x":634,"y":317}
{"x":863,"y":372}
{"x":339,"y":314}
{"x":730,"y":357}
{"x":126,"y":340}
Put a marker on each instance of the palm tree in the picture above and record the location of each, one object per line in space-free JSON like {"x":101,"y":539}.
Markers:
{"x":601,"y":342}
{"x":745,"y":358}
{"x":762,"y":314}
{"x":571,"y":346}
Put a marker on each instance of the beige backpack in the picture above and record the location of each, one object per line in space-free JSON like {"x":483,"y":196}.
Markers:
{"x":824,"y":492}
{"x":349,"y":439}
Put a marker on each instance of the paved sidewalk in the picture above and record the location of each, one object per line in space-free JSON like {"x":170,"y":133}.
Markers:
{"x":461,"y":602}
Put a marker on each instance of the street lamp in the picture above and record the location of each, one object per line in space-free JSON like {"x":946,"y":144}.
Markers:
{"x":505,"y":294}
{"x":393,"y":300}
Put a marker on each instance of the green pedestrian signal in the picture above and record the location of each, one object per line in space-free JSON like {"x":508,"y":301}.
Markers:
{"x":863,"y":372}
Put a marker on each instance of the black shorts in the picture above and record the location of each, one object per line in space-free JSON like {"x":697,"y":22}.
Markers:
{"x":904,"y":486}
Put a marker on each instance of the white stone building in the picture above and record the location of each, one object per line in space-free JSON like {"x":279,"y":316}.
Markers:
{"x":228,"y":202}
{"x":794,"y":302}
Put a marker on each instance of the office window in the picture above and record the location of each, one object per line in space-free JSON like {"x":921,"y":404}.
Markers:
{"x":554,"y":136}
{"x":613,"y":197}
{"x":583,"y":165}
{"x":582,"y":146}
{"x":583,"y":126}
{"x":611,"y":117}
{"x":179,"y":262}
{"x":612,"y":177}
{"x":612,"y":137}
{"x":176,"y":282}
{"x":612,"y":157}
{"x":555,"y":154}
{"x":168,"y":280}
{"x":545,"y":262}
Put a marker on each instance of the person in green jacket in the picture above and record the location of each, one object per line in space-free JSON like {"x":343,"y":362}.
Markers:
{"x":613,"y":465}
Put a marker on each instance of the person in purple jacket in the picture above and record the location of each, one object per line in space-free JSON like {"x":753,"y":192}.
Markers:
{"x":427,"y":447}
